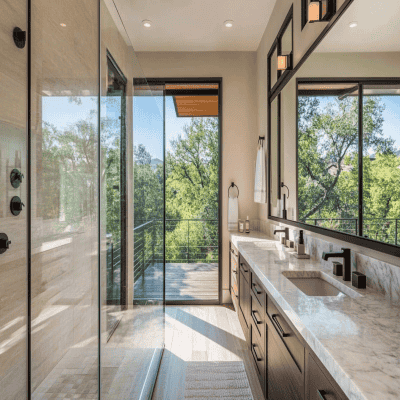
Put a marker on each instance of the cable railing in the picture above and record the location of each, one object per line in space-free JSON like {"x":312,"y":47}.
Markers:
{"x":381,"y":229}
{"x":186,"y":241}
{"x":113,"y":270}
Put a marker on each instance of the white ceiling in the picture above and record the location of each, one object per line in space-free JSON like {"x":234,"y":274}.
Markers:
{"x":195,"y":25}
{"x":378,"y":28}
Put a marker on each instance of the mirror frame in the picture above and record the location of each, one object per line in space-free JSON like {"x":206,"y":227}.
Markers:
{"x":272,"y":94}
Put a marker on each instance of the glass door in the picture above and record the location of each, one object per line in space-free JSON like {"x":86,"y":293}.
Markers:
{"x":114,"y":145}
{"x":192,"y":132}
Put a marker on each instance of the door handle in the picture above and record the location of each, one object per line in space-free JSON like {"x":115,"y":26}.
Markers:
{"x":256,"y":290}
{"x":256,"y":320}
{"x":255,"y":353}
{"x":321,"y":394}
{"x":279,"y":326}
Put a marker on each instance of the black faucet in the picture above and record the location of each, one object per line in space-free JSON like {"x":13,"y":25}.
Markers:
{"x":285,"y":231}
{"x":346,"y":255}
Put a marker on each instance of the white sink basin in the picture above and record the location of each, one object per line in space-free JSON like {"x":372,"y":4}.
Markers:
{"x":318,"y":283}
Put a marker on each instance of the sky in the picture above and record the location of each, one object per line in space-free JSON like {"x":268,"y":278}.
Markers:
{"x":148,"y":121}
{"x":391,"y":116}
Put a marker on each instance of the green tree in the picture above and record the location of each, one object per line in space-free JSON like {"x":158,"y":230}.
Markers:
{"x":328,"y":154}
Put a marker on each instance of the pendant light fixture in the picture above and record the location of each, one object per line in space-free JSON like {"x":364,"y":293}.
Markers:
{"x":284,"y":62}
{"x":321,"y":10}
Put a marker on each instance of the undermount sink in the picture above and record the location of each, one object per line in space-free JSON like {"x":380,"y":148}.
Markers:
{"x":318,"y":283}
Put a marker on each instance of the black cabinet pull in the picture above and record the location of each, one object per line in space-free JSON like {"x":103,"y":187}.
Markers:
{"x":234,"y":271}
{"x":280,"y":329}
{"x":255,"y":353}
{"x":242,"y":265}
{"x":256,"y":290}
{"x":321,"y":394}
{"x":256,"y":320}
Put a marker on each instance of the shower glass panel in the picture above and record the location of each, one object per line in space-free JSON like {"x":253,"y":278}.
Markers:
{"x":65,"y":212}
{"x":132,"y":332}
{"x":13,"y":261}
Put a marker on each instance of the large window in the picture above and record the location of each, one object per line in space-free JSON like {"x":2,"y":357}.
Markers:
{"x":348,"y":157}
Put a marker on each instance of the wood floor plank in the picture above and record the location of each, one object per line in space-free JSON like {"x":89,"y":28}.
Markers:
{"x":200,"y":333}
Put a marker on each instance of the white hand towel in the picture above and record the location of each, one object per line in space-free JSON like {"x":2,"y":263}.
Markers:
{"x":260,"y":182}
{"x":233,"y":213}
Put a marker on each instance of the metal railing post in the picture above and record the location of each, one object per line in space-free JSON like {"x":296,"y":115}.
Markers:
{"x":143,"y":252}
{"x":188,"y":242}
{"x":112,"y":263}
{"x":153,"y":241}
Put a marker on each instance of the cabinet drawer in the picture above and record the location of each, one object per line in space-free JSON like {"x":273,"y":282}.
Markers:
{"x":257,"y":316}
{"x":318,"y":385}
{"x":284,"y":380}
{"x":285,"y":332}
{"x":259,"y":357}
{"x":257,"y":290}
{"x":244,"y":269}
{"x":235,"y":298}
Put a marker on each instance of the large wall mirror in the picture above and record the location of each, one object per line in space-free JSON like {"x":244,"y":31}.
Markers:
{"x":340,"y":131}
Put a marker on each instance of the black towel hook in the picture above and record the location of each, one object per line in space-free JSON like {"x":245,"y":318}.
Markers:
{"x":261,"y":139}
{"x":231,"y":186}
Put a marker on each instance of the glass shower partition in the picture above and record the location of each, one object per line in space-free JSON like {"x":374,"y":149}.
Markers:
{"x":132,"y":333}
{"x":68,"y":240}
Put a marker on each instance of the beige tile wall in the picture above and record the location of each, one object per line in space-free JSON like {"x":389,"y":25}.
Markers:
{"x":13,"y":263}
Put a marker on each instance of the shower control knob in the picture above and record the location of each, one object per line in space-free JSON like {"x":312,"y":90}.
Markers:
{"x":16,"y":178}
{"x":16,"y":205}
{"x":4,"y":243}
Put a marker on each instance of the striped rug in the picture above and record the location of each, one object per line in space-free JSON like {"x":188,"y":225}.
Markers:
{"x":217,"y":380}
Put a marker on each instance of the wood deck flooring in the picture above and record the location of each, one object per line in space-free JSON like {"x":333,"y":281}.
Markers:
{"x":183,"y":281}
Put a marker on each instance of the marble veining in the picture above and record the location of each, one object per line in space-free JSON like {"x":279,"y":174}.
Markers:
{"x":381,"y":276}
{"x":357,"y":339}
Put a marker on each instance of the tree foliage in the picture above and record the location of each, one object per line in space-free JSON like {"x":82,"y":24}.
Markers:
{"x":328,"y":166}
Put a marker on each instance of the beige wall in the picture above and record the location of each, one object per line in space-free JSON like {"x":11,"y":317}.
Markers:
{"x":239,"y":121}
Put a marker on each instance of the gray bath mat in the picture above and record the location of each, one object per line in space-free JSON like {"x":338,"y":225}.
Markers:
{"x":217,"y":380}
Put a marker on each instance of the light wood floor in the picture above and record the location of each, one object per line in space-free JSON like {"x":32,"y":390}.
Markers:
{"x":183,"y":281}
{"x":200,"y":333}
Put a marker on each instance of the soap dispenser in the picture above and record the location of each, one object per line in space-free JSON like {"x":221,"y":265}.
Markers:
{"x":247,"y":225}
{"x":301,"y":247}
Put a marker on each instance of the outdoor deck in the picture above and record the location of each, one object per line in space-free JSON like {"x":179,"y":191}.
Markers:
{"x":184,"y":281}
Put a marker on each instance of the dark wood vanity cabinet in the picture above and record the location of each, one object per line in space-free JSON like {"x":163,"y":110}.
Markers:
{"x":234,"y":274}
{"x":319,"y":384}
{"x":244,"y":297}
{"x":286,"y":367}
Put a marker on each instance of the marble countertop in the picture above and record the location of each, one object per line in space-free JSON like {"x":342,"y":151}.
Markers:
{"x":357,"y":339}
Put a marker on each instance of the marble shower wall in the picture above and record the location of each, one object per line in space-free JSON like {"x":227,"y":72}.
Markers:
{"x":381,"y":276}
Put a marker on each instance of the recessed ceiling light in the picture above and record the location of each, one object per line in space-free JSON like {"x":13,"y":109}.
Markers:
{"x":63,"y":25}
{"x":146,"y":23}
{"x":353,"y":24}
{"x":228,"y":24}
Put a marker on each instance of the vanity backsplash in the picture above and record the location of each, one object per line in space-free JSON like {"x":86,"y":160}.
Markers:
{"x":381,"y":276}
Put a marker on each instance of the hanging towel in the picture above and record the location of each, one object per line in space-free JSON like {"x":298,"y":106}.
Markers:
{"x":233,"y":213}
{"x":260,"y":182}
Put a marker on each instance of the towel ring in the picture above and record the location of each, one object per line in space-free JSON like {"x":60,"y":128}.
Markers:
{"x":231,"y":186}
